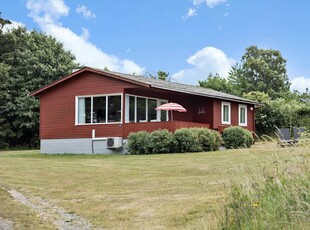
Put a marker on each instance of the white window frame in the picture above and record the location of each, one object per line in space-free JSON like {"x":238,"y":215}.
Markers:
{"x":92,"y":96}
{"x":241,"y":106}
{"x":229,"y":113}
{"x":159,"y":101}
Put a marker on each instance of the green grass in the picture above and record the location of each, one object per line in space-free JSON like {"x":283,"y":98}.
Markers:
{"x":166,"y":191}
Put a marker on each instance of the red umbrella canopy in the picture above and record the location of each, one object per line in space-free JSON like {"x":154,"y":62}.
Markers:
{"x":171,"y":106}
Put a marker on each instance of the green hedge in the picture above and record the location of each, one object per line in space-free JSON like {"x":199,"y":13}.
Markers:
{"x":183,"y":140}
{"x":236,"y":137}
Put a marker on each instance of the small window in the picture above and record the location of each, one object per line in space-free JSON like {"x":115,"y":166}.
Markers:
{"x":226,"y":113}
{"x":242,"y":115}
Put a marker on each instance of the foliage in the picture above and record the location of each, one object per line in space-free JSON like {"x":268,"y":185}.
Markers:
{"x":278,"y":200}
{"x":183,"y":140}
{"x":216,"y":82}
{"x":286,"y":111}
{"x":3,"y":22}
{"x":186,"y":140}
{"x":237,"y":137}
{"x":30,"y":60}
{"x":261,"y":70}
{"x":160,"y":141}
{"x":305,"y":139}
{"x":138,"y":143}
{"x":162,"y":75}
{"x":208,"y":139}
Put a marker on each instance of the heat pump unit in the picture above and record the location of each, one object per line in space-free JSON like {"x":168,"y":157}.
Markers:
{"x":114,"y":142}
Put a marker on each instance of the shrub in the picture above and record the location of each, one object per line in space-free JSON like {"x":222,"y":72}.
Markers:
{"x":138,"y":143}
{"x":209,"y":140}
{"x":160,"y":141}
{"x":237,"y":137}
{"x":186,"y":140}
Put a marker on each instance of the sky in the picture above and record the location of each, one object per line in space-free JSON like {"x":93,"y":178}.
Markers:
{"x":187,"y":38}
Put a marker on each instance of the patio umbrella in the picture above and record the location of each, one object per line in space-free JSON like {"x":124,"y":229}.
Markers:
{"x":171,"y":107}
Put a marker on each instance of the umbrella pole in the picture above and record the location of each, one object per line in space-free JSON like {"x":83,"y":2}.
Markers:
{"x":171,"y":115}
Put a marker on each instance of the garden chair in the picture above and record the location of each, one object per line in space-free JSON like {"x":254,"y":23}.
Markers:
{"x":284,"y":136}
{"x":297,"y":133}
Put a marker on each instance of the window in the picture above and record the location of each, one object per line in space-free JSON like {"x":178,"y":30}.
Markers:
{"x":226,"y":113}
{"x":142,"y":109}
{"x":99,"y":109}
{"x":242,"y":115}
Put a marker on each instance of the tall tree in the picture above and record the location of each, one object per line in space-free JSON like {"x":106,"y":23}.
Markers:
{"x":162,"y":75}
{"x":31,"y":60}
{"x":218,"y":83}
{"x":261,"y":70}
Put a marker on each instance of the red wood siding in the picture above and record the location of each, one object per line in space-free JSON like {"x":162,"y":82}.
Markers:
{"x":234,"y":120}
{"x":57,"y":107}
{"x":151,"y":126}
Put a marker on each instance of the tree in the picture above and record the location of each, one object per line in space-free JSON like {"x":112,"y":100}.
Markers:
{"x":160,"y":75}
{"x":218,"y":83}
{"x":3,"y":22}
{"x":31,"y":60}
{"x":261,"y":70}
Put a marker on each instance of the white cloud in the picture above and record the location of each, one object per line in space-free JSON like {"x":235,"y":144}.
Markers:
{"x":85,"y":52}
{"x":300,"y":84}
{"x":210,"y":3}
{"x":86,"y":13}
{"x":14,"y":25}
{"x":193,"y":11}
{"x":190,"y":13}
{"x":205,"y":61}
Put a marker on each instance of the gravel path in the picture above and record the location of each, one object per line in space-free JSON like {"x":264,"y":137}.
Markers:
{"x":5,"y":224}
{"x":56,"y":215}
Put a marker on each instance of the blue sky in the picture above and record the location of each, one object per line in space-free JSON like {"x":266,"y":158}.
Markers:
{"x":187,"y":38}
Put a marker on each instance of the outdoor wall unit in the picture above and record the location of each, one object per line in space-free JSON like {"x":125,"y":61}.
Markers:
{"x":114,"y":142}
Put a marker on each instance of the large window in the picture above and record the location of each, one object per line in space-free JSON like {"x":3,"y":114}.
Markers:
{"x":242,"y":115}
{"x":99,"y":109}
{"x":226,"y":113}
{"x":142,"y":109}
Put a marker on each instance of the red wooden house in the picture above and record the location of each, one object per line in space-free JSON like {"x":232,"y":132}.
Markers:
{"x":93,"y":111}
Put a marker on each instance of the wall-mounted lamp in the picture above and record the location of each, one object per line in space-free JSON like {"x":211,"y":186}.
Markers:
{"x":251,"y":108}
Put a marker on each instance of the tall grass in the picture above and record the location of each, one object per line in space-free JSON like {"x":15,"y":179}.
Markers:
{"x":277,"y":198}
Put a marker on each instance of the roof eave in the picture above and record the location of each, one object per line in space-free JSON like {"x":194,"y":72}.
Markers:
{"x":212,"y":96}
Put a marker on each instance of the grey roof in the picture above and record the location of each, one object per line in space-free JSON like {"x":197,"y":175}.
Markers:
{"x":182,"y":88}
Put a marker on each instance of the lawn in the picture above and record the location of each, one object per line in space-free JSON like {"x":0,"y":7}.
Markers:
{"x":167,"y":191}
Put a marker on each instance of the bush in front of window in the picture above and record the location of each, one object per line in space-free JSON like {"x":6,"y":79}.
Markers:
{"x":138,"y":143}
{"x":160,"y":141}
{"x":236,"y":137}
{"x":183,"y":140}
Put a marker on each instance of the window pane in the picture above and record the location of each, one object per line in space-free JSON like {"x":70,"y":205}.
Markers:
{"x":152,"y":113}
{"x":141,"y":109}
{"x":99,"y":109}
{"x":225,"y":113}
{"x":114,"y":108}
{"x":86,"y":111}
{"x":131,"y":109}
{"x":82,"y":110}
{"x":242,"y":115}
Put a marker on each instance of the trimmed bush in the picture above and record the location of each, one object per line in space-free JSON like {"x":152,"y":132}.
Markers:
{"x":237,"y":137}
{"x":186,"y":140}
{"x":209,"y":140}
{"x":160,"y":141}
{"x":183,"y":140}
{"x":138,"y":143}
